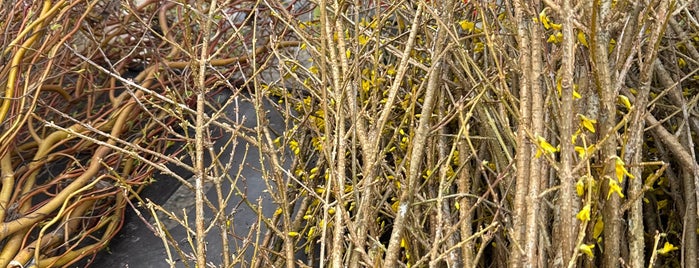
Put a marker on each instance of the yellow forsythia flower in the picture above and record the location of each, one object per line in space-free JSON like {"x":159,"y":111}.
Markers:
{"x":467,"y":25}
{"x":587,"y":249}
{"x":625,"y":101}
{"x":583,"y":152}
{"x":479,"y":47}
{"x":580,"y":187}
{"x":614,"y":188}
{"x":620,"y":169}
{"x":363,"y":39}
{"x":294,"y":146}
{"x":584,"y":214}
{"x":582,"y":39}
{"x":313,"y":69}
{"x":588,"y":123}
{"x":293,"y":234}
{"x":598,"y":228}
{"x":556,"y":27}
{"x":667,"y":248}
{"x":544,"y":19}
{"x":391,"y":71}
{"x":544,"y":147}
{"x":555,"y":38}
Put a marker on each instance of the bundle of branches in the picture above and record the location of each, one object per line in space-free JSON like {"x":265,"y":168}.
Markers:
{"x":420,"y":132}
{"x":490,"y":133}
{"x":95,"y":95}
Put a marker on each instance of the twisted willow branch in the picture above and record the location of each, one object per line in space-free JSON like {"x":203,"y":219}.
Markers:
{"x":79,"y":139}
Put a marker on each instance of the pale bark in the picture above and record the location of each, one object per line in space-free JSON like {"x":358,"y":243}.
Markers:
{"x":524,"y":146}
{"x":564,"y":236}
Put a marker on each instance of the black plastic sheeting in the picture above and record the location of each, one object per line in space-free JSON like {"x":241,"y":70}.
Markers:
{"x":136,"y":245}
